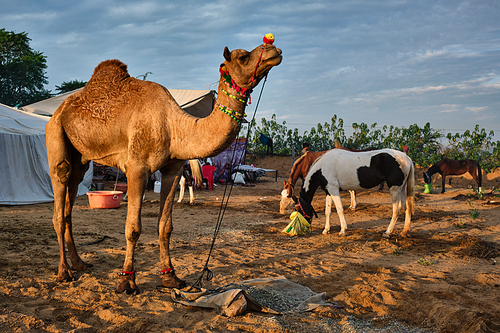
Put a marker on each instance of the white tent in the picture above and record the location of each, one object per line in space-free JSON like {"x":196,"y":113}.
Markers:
{"x":198,"y":103}
{"x":24,"y":167}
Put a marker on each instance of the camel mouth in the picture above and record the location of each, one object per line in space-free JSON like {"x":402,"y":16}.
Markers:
{"x":277,"y":57}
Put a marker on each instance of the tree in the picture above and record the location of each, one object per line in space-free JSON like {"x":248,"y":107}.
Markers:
{"x":70,"y":86}
{"x":22,"y":70}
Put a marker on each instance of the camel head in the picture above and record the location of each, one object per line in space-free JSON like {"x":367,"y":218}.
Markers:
{"x":248,"y":68}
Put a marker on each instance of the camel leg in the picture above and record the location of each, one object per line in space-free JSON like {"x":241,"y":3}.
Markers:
{"x":353,"y":200}
{"x":328,"y":211}
{"x":396,"y":207}
{"x":182,"y":184}
{"x":137,"y":179}
{"x":59,"y":157}
{"x":77,"y":174}
{"x":171,"y":175}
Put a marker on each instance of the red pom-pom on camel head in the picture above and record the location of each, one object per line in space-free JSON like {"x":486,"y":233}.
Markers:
{"x":268,"y":38}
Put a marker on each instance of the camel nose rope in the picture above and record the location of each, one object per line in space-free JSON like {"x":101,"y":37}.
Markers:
{"x":225,"y":200}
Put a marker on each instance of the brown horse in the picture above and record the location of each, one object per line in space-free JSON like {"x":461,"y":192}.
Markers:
{"x":454,"y":168}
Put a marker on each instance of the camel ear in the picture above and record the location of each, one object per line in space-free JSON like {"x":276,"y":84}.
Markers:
{"x":227,"y":54}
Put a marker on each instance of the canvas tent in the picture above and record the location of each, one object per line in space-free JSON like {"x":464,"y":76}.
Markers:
{"x":24,"y":168}
{"x":198,"y":103}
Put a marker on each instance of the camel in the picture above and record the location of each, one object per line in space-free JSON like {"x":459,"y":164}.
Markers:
{"x":137,"y":126}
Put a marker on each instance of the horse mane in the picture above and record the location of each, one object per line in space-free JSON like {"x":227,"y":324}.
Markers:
{"x":294,"y":169}
{"x":436,"y":167}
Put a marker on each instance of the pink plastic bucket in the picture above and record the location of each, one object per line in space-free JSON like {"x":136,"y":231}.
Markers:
{"x":104,"y":199}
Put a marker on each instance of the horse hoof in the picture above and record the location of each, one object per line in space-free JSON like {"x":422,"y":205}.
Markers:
{"x":326,"y":232}
{"x":386,"y":235}
{"x":342,"y":234}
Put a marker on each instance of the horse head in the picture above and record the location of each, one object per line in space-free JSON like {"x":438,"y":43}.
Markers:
{"x":427,"y":178}
{"x":306,"y":209}
{"x":286,"y":203}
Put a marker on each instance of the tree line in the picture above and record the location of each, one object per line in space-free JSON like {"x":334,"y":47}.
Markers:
{"x":427,"y":146}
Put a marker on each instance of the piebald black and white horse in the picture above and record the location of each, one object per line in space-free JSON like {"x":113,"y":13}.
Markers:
{"x":339,"y":169}
{"x":192,"y":176}
{"x":447,"y":167}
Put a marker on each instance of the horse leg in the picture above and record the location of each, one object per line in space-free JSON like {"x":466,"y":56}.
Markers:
{"x":353,"y":200}
{"x":182,"y":184}
{"x":191,"y":195}
{"x":328,"y":211}
{"x":170,"y":179}
{"x":477,"y":177}
{"x":396,"y":207}
{"x":337,"y":200}
{"x":137,"y":177}
{"x":443,"y":182}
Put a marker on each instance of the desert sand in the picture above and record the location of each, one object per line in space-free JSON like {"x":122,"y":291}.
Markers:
{"x":444,"y":278}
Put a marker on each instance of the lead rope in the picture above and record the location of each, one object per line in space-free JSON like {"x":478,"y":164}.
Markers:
{"x":225,"y":200}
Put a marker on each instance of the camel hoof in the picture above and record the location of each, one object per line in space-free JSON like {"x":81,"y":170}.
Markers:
{"x":170,"y":280}
{"x":81,"y":266}
{"x":64,"y":276}
{"x":127,"y":286}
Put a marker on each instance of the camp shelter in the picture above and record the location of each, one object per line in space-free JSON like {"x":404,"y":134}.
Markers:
{"x":198,"y":103}
{"x":24,"y":167}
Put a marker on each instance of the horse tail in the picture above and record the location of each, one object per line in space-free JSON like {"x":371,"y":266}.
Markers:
{"x":196,"y":172}
{"x":479,"y":175}
{"x":410,"y":189}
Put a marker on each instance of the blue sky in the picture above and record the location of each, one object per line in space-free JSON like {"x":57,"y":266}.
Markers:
{"x":393,"y":62}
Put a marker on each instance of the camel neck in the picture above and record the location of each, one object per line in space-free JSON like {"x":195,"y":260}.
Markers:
{"x":230,"y":101}
{"x":212,"y":134}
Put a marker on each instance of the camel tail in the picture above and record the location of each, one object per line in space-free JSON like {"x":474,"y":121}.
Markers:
{"x":410,"y":189}
{"x":196,"y":172}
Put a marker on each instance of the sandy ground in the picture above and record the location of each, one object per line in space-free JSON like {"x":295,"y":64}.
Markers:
{"x":445,"y":278}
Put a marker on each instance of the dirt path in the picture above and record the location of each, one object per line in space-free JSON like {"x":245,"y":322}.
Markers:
{"x":445,"y":278}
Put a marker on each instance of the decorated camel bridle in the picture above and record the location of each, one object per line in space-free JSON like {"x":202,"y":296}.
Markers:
{"x":243,"y":93}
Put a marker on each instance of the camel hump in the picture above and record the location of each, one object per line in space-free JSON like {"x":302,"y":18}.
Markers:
{"x":114,"y":70}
